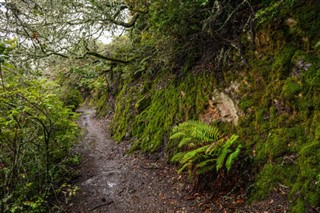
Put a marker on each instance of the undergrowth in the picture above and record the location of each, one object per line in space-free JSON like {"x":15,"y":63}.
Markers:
{"x":201,"y":148}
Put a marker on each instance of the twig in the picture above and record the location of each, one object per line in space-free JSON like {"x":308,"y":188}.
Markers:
{"x":151,"y":167}
{"x":1,"y":76}
{"x":105,"y":204}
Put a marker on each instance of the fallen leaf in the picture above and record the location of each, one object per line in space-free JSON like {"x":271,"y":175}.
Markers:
{"x":239,"y":201}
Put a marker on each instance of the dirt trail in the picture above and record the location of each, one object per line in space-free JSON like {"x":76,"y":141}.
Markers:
{"x":111,"y":181}
{"x":114,"y":182}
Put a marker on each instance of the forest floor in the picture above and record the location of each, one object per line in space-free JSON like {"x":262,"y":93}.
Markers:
{"x":110,"y":180}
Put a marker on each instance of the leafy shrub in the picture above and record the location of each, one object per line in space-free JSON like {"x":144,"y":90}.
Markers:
{"x":36,"y":133}
{"x":71,"y":97}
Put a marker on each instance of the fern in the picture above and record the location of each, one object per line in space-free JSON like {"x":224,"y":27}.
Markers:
{"x":197,"y":130}
{"x":177,"y":157}
{"x":207,"y":149}
{"x":224,"y":151}
{"x":177,"y":135}
{"x":193,"y":154}
{"x":203,"y":165}
{"x":184,"y":141}
{"x":232,"y":157}
{"x":186,"y":165}
{"x":214,"y":146}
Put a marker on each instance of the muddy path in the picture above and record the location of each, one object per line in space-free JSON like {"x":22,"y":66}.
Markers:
{"x":112,"y":181}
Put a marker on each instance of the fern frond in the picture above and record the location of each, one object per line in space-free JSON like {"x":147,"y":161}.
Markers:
{"x":207,"y":147}
{"x":177,"y":135}
{"x":213,"y":132}
{"x":205,"y":169}
{"x":204,"y":131}
{"x":205,"y":163}
{"x":214,"y":146}
{"x":230,"y":141}
{"x":183,"y":126}
{"x":187,"y":165}
{"x":177,"y":157}
{"x":224,"y":151}
{"x":184,"y":141}
{"x":220,"y":159}
{"x":196,"y":129}
{"x":232,"y":157}
{"x":198,"y":134}
{"x":190,"y":155}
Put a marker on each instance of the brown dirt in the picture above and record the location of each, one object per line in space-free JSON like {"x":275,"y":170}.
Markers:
{"x":112,"y":181}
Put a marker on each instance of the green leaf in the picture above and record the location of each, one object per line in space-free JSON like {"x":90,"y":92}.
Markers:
{"x":3,"y":58}
{"x":232,"y":157}
{"x":224,"y":151}
{"x":184,"y":141}
{"x":177,"y":135}
{"x":177,"y":157}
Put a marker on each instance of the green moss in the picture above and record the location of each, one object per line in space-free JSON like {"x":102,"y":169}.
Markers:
{"x":290,"y":88}
{"x":279,"y":94}
{"x":299,"y":206}
{"x":317,"y":133}
{"x":101,"y":104}
{"x":282,"y":121}
{"x":308,"y":19}
{"x":142,"y":103}
{"x":314,"y":80}
{"x":246,"y":103}
{"x":169,"y":104}
{"x":309,"y":168}
{"x":267,"y":180}
{"x":123,"y":113}
{"x":148,"y":114}
{"x":282,"y":62}
{"x":152,"y":123}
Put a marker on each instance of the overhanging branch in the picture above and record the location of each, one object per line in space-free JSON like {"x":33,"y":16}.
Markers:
{"x":108,"y":58}
{"x":126,"y":24}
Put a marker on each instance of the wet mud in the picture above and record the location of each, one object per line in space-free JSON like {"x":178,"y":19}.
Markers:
{"x":113,"y":181}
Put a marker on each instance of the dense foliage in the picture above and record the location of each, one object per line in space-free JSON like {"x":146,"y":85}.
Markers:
{"x":36,"y":133}
{"x":166,"y":67}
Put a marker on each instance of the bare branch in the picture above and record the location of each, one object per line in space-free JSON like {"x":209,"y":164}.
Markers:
{"x":108,"y":58}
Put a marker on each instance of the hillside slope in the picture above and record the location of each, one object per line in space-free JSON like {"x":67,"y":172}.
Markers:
{"x":251,"y":69}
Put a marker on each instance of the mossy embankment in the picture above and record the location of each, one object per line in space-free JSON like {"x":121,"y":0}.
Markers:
{"x":147,"y":110}
{"x":281,"y":100}
{"x":277,"y":69}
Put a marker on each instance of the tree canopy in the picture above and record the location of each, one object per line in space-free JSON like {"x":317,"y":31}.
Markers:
{"x":69,"y":29}
{"x":65,"y":28}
